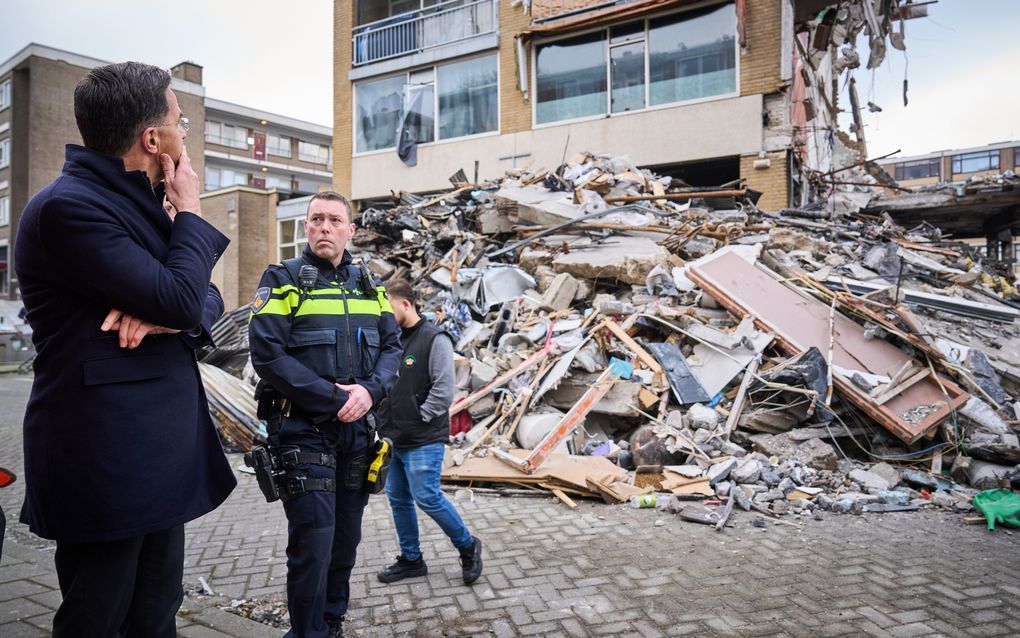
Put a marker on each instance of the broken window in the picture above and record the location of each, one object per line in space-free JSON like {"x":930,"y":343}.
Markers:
{"x":468,"y":102}
{"x":973,"y":162}
{"x":378,"y":115}
{"x":571,"y":78}
{"x":420,"y":106}
{"x":692,"y":55}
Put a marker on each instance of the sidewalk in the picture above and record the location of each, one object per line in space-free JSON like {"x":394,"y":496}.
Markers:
{"x":598,"y":570}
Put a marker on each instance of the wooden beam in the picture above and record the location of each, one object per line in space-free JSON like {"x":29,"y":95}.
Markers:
{"x":460,"y":406}
{"x":633,"y":345}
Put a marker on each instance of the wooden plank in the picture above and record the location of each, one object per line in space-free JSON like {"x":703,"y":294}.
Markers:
{"x":617,"y":370}
{"x":563,"y":497}
{"x":747,"y":290}
{"x":902,"y":387}
{"x":460,"y":406}
{"x":634,"y":346}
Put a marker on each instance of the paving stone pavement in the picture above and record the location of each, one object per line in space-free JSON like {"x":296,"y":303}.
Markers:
{"x":597,"y":571}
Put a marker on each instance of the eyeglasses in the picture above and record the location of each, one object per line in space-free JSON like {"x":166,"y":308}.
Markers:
{"x":184,"y":123}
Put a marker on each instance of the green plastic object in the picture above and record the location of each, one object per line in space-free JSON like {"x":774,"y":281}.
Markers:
{"x":999,"y":506}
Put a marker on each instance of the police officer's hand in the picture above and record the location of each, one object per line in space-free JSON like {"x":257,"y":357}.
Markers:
{"x":359,"y":402}
{"x":181,"y":181}
{"x":131,"y":329}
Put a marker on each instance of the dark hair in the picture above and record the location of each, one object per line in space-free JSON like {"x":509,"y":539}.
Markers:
{"x":402,"y":288}
{"x":333,"y":196}
{"x":113,"y":104}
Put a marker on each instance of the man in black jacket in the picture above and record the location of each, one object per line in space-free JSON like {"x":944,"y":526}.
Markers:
{"x":120,"y":450}
{"x":416,"y":418}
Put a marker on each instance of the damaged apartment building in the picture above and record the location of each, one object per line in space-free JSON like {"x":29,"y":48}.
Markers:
{"x":706,"y":92}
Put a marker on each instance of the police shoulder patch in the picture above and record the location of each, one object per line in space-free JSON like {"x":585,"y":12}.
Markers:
{"x":261,"y":297}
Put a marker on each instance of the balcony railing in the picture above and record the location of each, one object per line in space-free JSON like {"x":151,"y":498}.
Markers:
{"x":416,"y":31}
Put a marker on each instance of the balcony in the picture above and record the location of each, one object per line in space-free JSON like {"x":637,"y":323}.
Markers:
{"x":416,"y":31}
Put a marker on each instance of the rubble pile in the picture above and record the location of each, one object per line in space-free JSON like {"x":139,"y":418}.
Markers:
{"x":621,"y":333}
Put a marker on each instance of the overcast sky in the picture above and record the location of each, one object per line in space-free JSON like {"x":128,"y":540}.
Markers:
{"x":277,"y":56}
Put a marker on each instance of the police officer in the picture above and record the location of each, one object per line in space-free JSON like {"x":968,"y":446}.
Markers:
{"x":324,"y":341}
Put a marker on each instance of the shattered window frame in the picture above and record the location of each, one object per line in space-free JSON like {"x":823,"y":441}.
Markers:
{"x":966,"y":162}
{"x":361,"y":146}
{"x":663,"y":20}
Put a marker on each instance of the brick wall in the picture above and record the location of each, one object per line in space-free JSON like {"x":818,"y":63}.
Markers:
{"x":773,"y":181}
{"x":546,"y":8}
{"x":760,"y":59}
{"x":343,"y":144}
{"x":514,"y":110}
{"x":247,"y":217}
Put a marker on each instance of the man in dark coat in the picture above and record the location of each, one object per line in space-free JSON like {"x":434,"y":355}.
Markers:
{"x":120,"y":450}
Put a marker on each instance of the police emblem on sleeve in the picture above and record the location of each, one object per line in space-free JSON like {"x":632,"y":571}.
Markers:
{"x":261,"y":297}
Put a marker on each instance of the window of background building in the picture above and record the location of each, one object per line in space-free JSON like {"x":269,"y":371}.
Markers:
{"x":917,"y":170}
{"x":292,"y":237}
{"x":468,"y":98}
{"x":281,"y":183}
{"x":5,"y":211}
{"x":226,"y":134}
{"x":5,"y":94}
{"x":5,"y":152}
{"x":223,"y":177}
{"x":464,"y":93}
{"x":315,"y":153}
{"x":978,"y":161}
{"x":688,"y":56}
{"x":5,"y":271}
{"x":1016,"y":156}
{"x":278,"y":145}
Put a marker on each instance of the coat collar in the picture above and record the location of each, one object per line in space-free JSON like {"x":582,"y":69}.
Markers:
{"x":323,"y":264}
{"x":108,"y":171}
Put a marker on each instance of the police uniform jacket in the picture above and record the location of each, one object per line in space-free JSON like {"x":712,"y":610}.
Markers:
{"x":118,"y":442}
{"x":303,"y":342}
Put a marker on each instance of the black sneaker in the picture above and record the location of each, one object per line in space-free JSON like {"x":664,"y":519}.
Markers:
{"x":336,"y":627}
{"x":471,"y":561}
{"x":402,"y":569}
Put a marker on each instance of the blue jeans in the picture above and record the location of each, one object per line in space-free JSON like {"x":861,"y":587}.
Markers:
{"x":414,"y":480}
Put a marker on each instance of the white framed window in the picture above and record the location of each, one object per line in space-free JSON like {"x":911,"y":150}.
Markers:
{"x":315,"y":153}
{"x":226,"y":134}
{"x":5,"y":152}
{"x":5,"y":94}
{"x":443,"y":102}
{"x":681,"y":57}
{"x":5,"y":210}
{"x":212,"y":178}
{"x":223,"y":177}
{"x":292,"y":237}
{"x":278,"y":145}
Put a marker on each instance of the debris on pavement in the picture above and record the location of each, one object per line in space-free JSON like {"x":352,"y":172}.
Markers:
{"x":620,"y":333}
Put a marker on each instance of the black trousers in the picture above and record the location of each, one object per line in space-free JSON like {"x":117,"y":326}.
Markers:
{"x":121,"y":589}
{"x":324,"y":528}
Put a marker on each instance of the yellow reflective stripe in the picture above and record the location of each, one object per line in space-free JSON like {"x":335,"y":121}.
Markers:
{"x":363,"y":307}
{"x":336,"y":307}
{"x":321,"y":307}
{"x":285,"y":289}
{"x":274,"y":307}
{"x":384,"y":302}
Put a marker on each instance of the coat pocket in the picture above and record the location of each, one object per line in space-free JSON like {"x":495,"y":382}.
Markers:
{"x":123,"y":369}
{"x":316,"y":349}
